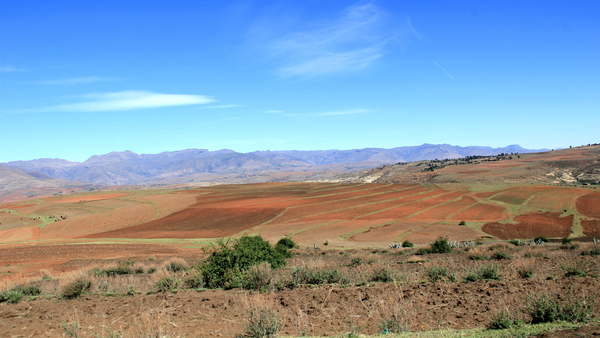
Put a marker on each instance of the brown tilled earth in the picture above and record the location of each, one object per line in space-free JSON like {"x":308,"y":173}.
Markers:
{"x":324,"y":310}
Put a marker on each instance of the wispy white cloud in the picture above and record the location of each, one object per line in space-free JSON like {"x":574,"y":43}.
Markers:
{"x":124,"y":101}
{"x":351,"y":42}
{"x":344,"y":112}
{"x":8,"y":69}
{"x":222,"y":106}
{"x":77,"y":80}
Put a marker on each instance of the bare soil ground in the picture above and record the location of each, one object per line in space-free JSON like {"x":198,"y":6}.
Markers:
{"x":325,"y":310}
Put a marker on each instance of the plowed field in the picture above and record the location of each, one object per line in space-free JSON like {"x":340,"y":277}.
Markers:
{"x":591,"y":227}
{"x":532,"y":225}
{"x":558,"y":199}
{"x":589,"y":205}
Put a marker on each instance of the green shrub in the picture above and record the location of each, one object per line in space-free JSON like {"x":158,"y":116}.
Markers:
{"x":478,"y":257}
{"x":356,"y":261}
{"x":175,"y":267}
{"x":12,"y":296}
{"x":258,"y":277}
{"x":462,"y":223}
{"x":382,"y":275}
{"x":76,"y":288}
{"x":567,"y":240}
{"x":526,"y":272}
{"x":194,"y":281}
{"x":226,"y":264}
{"x":122,"y":268}
{"x":314,"y":277}
{"x":151,"y":271}
{"x":500,"y":255}
{"x":593,"y":252}
{"x":544,"y":309}
{"x":28,"y":290}
{"x":166,"y":284}
{"x":98,"y":272}
{"x":407,"y":244}
{"x":441,"y":245}
{"x":577,"y":310}
{"x":423,"y":251}
{"x":575,"y":271}
{"x":541,"y":239}
{"x":489,"y":272}
{"x":394,"y":324}
{"x":503,"y":320}
{"x":262,"y":322}
{"x":516,"y":242}
{"x":438,"y":273}
{"x":286,"y":242}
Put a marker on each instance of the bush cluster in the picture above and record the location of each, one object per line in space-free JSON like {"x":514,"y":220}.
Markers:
{"x":316,"y":277}
{"x":489,"y":272}
{"x":227,"y":264}
{"x":441,"y":245}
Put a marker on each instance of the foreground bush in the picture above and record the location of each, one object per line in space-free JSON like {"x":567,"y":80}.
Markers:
{"x":441,"y":245}
{"x":503,"y":320}
{"x":262,"y":323}
{"x":258,"y":277}
{"x":226,"y":265}
{"x":76,"y":288}
{"x":546,"y":309}
{"x":438,"y":273}
{"x":315,"y":277}
{"x":489,"y":272}
{"x":166,"y":284}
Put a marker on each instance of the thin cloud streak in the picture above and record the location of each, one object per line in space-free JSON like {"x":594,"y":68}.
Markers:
{"x":77,"y":80}
{"x":9,"y":69}
{"x":344,"y":112}
{"x":223,"y":106}
{"x":353,"y":42}
{"x":443,"y":69}
{"x":124,"y":101}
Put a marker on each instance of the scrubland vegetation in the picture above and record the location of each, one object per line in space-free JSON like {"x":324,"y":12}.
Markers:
{"x":520,"y":286}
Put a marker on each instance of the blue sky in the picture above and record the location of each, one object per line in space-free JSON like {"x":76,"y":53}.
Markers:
{"x":79,"y":78}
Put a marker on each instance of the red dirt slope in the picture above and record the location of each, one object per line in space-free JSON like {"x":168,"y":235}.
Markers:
{"x":547,"y":224}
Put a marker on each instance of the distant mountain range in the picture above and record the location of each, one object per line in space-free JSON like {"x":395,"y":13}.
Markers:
{"x":32,"y":183}
{"x":129,"y":168}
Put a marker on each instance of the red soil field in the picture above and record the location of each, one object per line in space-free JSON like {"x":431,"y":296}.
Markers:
{"x":589,"y":205}
{"x":442,"y":212}
{"x":86,"y":198}
{"x":558,"y":199}
{"x":454,"y":232}
{"x":481,"y":212}
{"x":388,"y":233}
{"x":16,"y":235}
{"x":591,"y":227}
{"x":15,"y":206}
{"x":101,"y":215}
{"x":519,"y":196}
{"x":283,"y":201}
{"x":358,"y":210}
{"x":484,"y":194}
{"x":45,"y":258}
{"x":274,"y":232}
{"x":332,"y":231}
{"x":547,"y":224}
{"x":417,"y":206}
{"x":196,"y":222}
